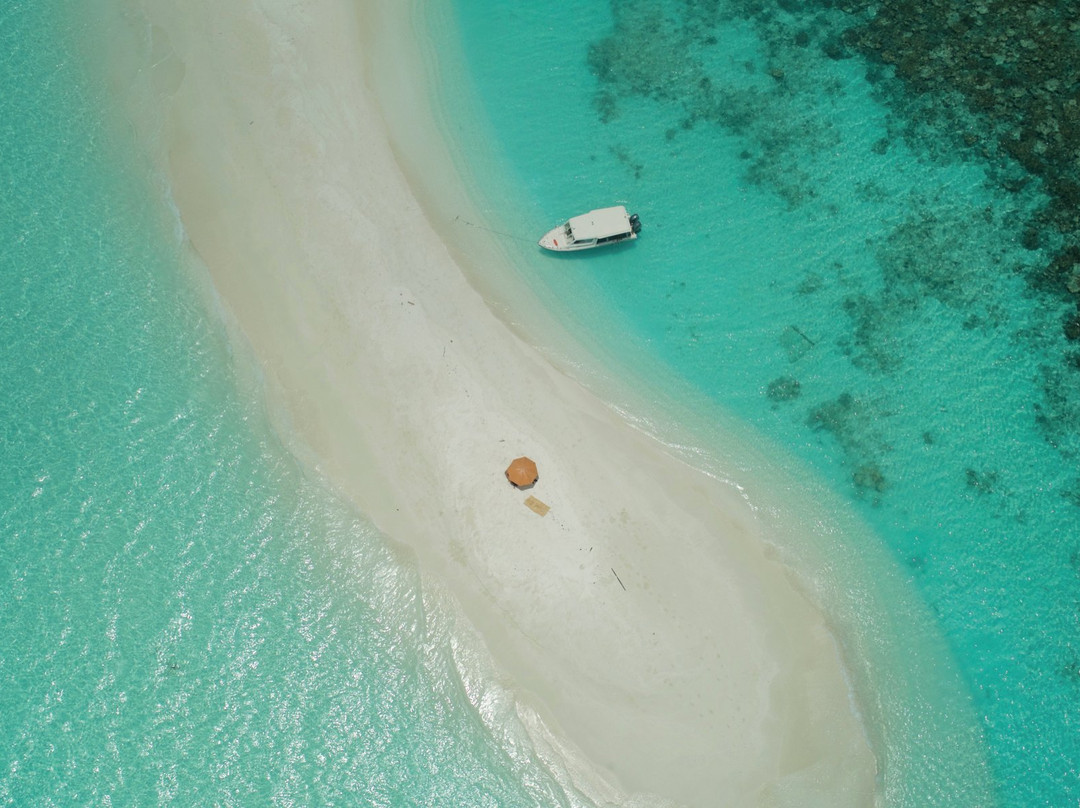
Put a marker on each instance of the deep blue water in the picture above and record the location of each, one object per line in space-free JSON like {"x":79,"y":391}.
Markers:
{"x":851,"y":269}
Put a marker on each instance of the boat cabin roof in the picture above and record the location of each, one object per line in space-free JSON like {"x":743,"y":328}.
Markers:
{"x":600,"y":223}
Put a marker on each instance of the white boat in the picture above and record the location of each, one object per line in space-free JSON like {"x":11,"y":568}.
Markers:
{"x":593,"y":229}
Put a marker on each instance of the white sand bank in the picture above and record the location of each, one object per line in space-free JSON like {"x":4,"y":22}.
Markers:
{"x":643,"y":617}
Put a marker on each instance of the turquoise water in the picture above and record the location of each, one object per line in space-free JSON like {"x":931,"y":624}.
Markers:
{"x":847,"y":276}
{"x":186,"y":619}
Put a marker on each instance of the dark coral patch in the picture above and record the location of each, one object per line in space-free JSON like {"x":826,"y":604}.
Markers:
{"x":855,"y":426}
{"x":869,"y":477}
{"x":784,"y":388}
{"x":1007,"y":70}
{"x":984,"y":482}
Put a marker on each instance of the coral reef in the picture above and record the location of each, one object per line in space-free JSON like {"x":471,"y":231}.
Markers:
{"x":784,"y":388}
{"x":992,"y":82}
{"x":852,"y":424}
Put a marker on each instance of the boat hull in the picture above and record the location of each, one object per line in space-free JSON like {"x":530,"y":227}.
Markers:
{"x":597,"y":228}
{"x":556,"y":241}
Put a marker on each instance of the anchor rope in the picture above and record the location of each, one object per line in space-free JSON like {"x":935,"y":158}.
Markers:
{"x":490,"y":230}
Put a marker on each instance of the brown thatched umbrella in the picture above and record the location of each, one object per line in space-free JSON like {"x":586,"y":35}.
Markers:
{"x":522,"y":473}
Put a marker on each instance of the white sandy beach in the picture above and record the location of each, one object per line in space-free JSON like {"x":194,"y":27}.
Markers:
{"x":644,"y":618}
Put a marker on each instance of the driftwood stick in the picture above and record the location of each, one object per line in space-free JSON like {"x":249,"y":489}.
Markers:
{"x":799,"y":331}
{"x":617,"y":578}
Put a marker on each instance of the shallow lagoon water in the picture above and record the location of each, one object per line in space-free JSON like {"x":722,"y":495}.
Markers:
{"x":181,"y":601}
{"x":188,"y":619}
{"x":843,"y":273}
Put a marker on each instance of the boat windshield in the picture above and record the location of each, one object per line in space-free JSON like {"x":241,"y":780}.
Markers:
{"x":569,"y":232}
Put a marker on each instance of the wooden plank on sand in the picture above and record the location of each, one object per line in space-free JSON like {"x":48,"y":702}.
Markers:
{"x":536,"y":506}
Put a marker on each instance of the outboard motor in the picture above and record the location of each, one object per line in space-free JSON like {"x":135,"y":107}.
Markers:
{"x":635,"y":224}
